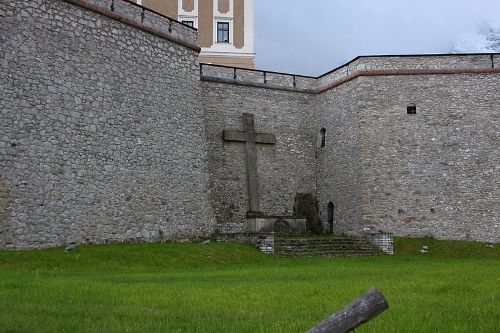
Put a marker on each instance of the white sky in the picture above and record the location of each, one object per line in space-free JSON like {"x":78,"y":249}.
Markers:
{"x":314,"y":36}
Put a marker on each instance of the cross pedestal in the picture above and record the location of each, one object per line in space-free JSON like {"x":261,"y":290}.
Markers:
{"x":250,"y":138}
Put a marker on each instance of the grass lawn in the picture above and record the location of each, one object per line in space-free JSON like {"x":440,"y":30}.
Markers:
{"x":235,"y":288}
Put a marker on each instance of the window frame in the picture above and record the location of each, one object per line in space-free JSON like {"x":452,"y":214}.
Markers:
{"x":217,"y":30}
{"x":189,"y":23}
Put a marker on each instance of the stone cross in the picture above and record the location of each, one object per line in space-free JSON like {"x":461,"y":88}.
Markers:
{"x":250,"y":138}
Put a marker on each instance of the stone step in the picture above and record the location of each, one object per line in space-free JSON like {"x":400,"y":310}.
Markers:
{"x":325,"y":251}
{"x":320,"y":244}
{"x":320,"y":240}
{"x":335,"y":246}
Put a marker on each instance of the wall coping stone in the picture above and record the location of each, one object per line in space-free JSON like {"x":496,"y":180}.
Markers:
{"x":310,"y":89}
{"x":257,"y":85}
{"x":132,"y":21}
{"x":398,"y":72}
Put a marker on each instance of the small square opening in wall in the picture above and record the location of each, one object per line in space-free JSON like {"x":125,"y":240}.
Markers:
{"x":411,"y":109}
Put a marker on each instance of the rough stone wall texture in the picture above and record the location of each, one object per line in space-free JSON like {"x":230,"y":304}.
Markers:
{"x":284,"y":169}
{"x":172,"y":28}
{"x":338,"y":164}
{"x":383,"y":241}
{"x":258,"y":77}
{"x":102,"y":135}
{"x":431,"y":174}
{"x":435,"y":173}
{"x":5,"y":201}
{"x":263,"y":241}
{"x":358,"y":65}
{"x":405,"y":62}
{"x":166,"y":22}
{"x":109,"y":129}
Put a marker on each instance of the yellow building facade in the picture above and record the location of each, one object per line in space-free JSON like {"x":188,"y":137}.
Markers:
{"x":226,"y":27}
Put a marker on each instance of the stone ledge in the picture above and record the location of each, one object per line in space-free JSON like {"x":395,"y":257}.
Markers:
{"x":277,"y":224}
{"x":352,"y":76}
{"x":255,"y":85}
{"x":360,"y":66}
{"x":125,"y":14}
{"x":397,"y":72}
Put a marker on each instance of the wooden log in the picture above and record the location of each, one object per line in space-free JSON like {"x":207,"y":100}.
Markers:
{"x":358,"y":312}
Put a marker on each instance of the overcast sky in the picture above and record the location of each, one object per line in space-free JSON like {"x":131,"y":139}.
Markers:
{"x":314,"y":36}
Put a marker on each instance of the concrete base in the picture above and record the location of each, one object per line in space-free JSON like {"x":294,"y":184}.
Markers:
{"x":383,"y":241}
{"x":276,"y":224}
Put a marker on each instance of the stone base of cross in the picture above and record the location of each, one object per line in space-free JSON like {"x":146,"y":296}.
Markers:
{"x":278,"y":224}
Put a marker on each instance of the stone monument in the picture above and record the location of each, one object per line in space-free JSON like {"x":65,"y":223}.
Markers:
{"x":257,"y":221}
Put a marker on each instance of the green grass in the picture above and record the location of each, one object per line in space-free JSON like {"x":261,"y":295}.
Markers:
{"x":234,"y":288}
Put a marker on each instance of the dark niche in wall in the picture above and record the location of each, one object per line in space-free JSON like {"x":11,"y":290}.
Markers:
{"x":411,"y":109}
{"x":321,"y":138}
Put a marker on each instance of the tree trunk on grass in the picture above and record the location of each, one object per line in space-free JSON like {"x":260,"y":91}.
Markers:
{"x":358,"y":312}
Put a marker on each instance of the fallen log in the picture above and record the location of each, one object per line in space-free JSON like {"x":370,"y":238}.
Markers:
{"x":358,"y":312}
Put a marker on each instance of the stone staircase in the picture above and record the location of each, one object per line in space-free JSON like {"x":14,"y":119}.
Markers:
{"x":294,"y":247}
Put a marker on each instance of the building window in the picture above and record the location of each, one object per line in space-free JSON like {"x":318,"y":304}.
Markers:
{"x":222,"y":32}
{"x":188,"y":23}
{"x":321,"y":138}
{"x":411,"y":109}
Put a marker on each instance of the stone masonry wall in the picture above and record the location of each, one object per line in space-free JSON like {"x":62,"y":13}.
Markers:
{"x":148,"y":18}
{"x":108,"y":135}
{"x":102,"y":135}
{"x":338,"y":164}
{"x":473,"y":61}
{"x":366,"y":191}
{"x":435,"y":173}
{"x":270,"y":80}
{"x":360,"y":65}
{"x":284,"y":169}
{"x":347,"y":172}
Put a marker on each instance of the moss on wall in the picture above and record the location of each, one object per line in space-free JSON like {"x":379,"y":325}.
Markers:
{"x":306,"y":205}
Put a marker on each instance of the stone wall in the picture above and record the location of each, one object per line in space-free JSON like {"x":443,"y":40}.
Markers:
{"x":383,"y":241}
{"x":364,"y":170}
{"x":435,"y":173}
{"x":5,"y":201}
{"x":263,"y":79}
{"x":360,"y":66}
{"x":108,"y":135}
{"x":284,"y":169}
{"x":148,"y":18}
{"x":282,"y":106}
{"x":102,"y":136}
{"x":368,"y":169}
{"x":263,"y":241}
{"x":373,"y":63}
{"x":338,"y":164}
